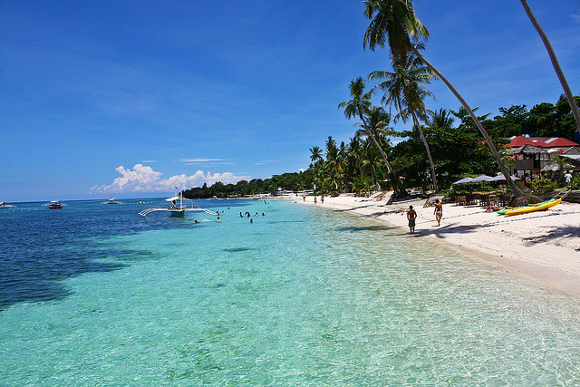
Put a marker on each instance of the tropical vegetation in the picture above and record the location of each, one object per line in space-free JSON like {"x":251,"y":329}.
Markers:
{"x":441,"y":146}
{"x":456,"y":146}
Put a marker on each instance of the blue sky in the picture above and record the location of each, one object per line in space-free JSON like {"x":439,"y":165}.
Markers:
{"x":134,"y":98}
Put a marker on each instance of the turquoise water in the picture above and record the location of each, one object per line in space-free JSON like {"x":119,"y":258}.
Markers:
{"x":96,"y":295}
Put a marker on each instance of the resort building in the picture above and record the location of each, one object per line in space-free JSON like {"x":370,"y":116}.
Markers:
{"x":536,"y":155}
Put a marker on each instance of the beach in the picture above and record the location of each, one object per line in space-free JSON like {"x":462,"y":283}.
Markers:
{"x":542,"y":246}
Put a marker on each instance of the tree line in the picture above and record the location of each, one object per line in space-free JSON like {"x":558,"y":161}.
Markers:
{"x":455,"y":144}
{"x":434,"y":150}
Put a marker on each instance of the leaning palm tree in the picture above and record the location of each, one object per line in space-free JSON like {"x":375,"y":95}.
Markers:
{"x":394,"y":22}
{"x":555,"y":63}
{"x":405,"y":91}
{"x":360,"y":105}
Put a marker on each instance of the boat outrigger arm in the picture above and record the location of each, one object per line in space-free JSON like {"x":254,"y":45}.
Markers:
{"x":177,"y":208}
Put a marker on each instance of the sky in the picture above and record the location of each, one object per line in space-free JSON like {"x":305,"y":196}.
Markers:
{"x":135,"y":99}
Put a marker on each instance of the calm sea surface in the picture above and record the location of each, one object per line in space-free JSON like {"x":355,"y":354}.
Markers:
{"x":94,"y":294}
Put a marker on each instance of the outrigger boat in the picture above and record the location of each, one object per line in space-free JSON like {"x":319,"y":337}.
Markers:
{"x":112,"y":201}
{"x":176,"y":208}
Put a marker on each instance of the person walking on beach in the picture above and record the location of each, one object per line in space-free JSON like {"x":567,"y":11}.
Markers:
{"x":568,"y":177}
{"x":438,"y":212}
{"x":411,"y":215}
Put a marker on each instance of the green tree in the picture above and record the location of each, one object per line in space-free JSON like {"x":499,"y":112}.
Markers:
{"x":405,"y":91}
{"x":394,"y":22}
{"x":555,"y":63}
{"x":360,"y":105}
{"x":316,"y":154}
{"x":441,"y":117}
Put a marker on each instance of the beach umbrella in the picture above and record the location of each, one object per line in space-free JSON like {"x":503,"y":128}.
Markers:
{"x":501,"y":177}
{"x":481,"y":178}
{"x":464,"y":180}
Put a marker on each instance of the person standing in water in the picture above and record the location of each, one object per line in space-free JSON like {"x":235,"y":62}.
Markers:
{"x":411,"y":216}
{"x":438,"y":212}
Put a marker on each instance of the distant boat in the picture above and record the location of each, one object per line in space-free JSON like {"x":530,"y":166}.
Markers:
{"x":4,"y":205}
{"x":112,"y":201}
{"x":54,"y":205}
{"x":176,"y":208}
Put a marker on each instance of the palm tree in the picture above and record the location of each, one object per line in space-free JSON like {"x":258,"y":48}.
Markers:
{"x":394,"y":22}
{"x":555,"y":63}
{"x":335,"y":167}
{"x":441,"y":119}
{"x":330,"y":144}
{"x":359,"y":106}
{"x":404,"y":89}
{"x":316,"y":154}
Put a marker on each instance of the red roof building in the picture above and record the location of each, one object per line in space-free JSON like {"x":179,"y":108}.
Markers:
{"x":547,"y":143}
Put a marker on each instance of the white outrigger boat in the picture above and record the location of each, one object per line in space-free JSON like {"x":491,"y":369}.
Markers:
{"x":176,"y":208}
{"x":112,"y":201}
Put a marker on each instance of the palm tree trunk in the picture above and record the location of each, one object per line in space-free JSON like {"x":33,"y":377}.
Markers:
{"x":516,"y":190}
{"x":555,"y":63}
{"x":398,"y":187}
{"x":433,"y":175}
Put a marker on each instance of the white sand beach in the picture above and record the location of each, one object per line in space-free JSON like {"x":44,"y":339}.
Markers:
{"x":541,"y":246}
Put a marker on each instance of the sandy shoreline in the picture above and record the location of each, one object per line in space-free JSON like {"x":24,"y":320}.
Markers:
{"x":542,"y":246}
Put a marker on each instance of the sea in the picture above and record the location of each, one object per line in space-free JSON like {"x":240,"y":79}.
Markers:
{"x":96,"y":295}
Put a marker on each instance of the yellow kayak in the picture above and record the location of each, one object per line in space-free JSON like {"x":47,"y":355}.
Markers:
{"x":540,"y":207}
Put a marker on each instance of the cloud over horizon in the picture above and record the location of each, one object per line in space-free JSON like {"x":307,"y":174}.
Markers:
{"x":143,"y":178}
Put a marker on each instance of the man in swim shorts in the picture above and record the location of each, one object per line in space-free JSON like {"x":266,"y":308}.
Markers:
{"x":438,"y":212}
{"x":411,"y":215}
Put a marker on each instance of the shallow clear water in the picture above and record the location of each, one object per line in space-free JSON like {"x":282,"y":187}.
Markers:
{"x":96,"y":295}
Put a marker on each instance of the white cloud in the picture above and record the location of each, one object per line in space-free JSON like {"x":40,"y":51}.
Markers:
{"x":199,"y":160}
{"x":264,"y":162}
{"x":144,"y":179}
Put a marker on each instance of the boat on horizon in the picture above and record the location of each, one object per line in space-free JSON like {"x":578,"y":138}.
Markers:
{"x":112,"y":201}
{"x":54,"y":204}
{"x":4,"y":205}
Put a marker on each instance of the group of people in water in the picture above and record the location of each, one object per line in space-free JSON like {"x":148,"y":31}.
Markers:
{"x":246,"y":214}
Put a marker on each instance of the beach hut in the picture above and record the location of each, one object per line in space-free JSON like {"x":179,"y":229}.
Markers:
{"x":529,"y":160}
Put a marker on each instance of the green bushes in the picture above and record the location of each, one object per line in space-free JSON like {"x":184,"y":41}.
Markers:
{"x":543,"y":186}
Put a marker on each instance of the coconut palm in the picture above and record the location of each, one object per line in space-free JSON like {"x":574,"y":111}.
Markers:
{"x":405,"y":91}
{"x":360,"y":105}
{"x":316,"y":154}
{"x":335,"y":168}
{"x":555,"y":62}
{"x":394,"y":22}
{"x":441,"y":119}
